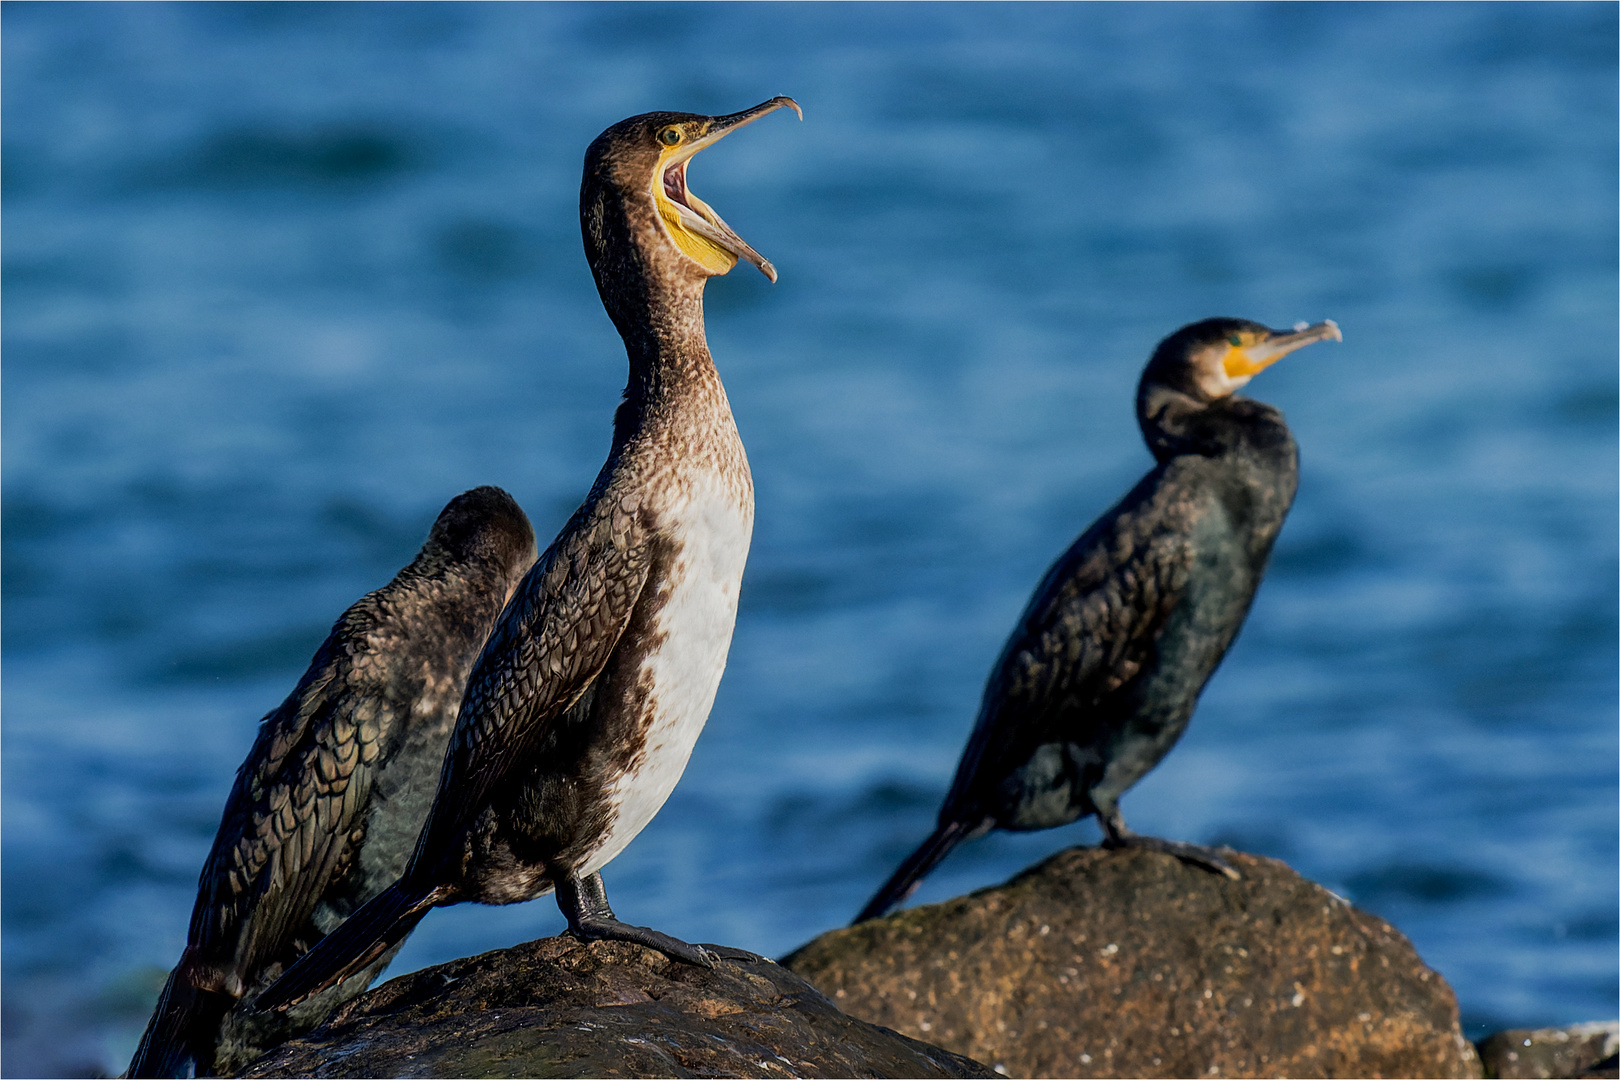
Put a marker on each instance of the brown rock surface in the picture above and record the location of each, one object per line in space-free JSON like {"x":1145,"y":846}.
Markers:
{"x":558,"y":1007}
{"x":1131,"y":963}
{"x":1550,"y":1052}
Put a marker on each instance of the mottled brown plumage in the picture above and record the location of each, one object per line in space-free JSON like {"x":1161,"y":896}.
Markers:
{"x":327,"y":805}
{"x":584,"y":707}
{"x":1104,"y":669}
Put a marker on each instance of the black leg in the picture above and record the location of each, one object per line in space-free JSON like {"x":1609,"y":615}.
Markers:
{"x":584,"y":902}
{"x":1116,"y":835}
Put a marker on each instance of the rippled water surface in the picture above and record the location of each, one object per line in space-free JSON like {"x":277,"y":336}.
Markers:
{"x":280,"y":280}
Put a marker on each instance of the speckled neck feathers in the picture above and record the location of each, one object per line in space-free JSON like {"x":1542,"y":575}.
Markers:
{"x":652,"y":292}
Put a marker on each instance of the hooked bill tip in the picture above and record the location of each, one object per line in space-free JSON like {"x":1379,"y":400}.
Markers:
{"x":1328,"y":328}
{"x":781,"y":100}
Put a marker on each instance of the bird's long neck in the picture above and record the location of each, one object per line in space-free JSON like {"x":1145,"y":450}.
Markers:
{"x":666,"y":345}
{"x":655,"y":300}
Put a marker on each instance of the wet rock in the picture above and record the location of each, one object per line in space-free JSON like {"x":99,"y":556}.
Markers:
{"x":558,"y":1007}
{"x":1577,"y":1051}
{"x":1131,"y":963}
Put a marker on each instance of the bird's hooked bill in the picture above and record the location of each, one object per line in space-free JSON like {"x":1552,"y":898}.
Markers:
{"x":683,"y":210}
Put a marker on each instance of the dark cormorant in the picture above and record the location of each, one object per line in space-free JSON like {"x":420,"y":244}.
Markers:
{"x":585,"y":705}
{"x":327,"y":805}
{"x":1101,"y":675}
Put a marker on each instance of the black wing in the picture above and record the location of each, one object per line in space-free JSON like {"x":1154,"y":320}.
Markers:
{"x":552,"y":641}
{"x":295,"y":814}
{"x":1089,"y":629}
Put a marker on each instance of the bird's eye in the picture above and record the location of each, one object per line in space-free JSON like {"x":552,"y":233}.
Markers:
{"x":670,"y":136}
{"x":1236,"y":341}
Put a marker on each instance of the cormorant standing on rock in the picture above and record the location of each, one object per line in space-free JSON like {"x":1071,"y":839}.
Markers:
{"x":1100,"y":677}
{"x":585,"y":705}
{"x":327,"y":805}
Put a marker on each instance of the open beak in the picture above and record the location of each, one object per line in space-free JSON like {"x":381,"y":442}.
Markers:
{"x":1244,"y":362}
{"x":695,"y":215}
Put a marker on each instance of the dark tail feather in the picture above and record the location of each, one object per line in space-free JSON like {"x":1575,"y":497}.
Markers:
{"x":180,"y":1037}
{"x":377,"y":927}
{"x":916,"y":867}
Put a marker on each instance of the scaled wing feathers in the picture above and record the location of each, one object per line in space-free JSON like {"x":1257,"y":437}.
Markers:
{"x":551,"y":642}
{"x":1090,"y":627}
{"x":293,"y":817}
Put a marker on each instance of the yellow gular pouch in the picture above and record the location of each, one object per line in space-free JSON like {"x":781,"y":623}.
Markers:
{"x":706,"y":253}
{"x":1238,"y":364}
{"x":686,"y":217}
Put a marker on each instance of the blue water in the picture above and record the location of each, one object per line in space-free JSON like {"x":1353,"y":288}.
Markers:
{"x":280,"y":280}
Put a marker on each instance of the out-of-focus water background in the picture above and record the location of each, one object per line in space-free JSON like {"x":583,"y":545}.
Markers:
{"x":282,"y":279}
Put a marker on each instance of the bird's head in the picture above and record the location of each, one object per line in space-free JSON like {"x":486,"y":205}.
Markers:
{"x":635,"y":176}
{"x":484,"y":525}
{"x":1215,"y":358}
{"x":1204,"y":363}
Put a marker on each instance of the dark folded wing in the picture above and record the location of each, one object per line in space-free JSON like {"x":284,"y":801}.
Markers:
{"x":1089,"y":629}
{"x":552,"y":641}
{"x":294,"y":814}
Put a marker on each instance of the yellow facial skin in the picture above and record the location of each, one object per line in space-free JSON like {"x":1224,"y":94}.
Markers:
{"x":691,"y":223}
{"x":1238,"y":363}
{"x":1249,"y":352}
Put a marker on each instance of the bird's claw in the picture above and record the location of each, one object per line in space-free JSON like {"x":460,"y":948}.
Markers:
{"x":726,"y":952}
{"x":672,"y":947}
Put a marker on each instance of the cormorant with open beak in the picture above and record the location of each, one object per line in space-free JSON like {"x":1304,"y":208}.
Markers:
{"x":1102,"y":674}
{"x":325,"y":810}
{"x":585,"y":705}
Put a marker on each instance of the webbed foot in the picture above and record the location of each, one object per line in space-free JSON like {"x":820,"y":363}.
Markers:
{"x":1116,"y":835}
{"x":584,"y":902}
{"x":672,"y":947}
{"x":1203,"y":857}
